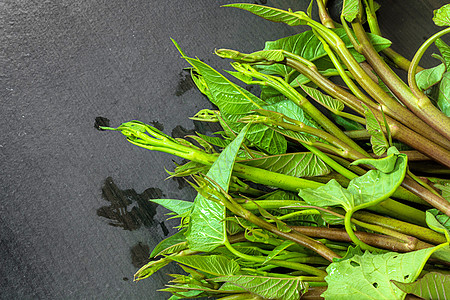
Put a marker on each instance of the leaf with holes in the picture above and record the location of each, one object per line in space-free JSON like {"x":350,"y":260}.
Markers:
{"x":369,"y":276}
{"x":433,"y":285}
{"x":268,"y":287}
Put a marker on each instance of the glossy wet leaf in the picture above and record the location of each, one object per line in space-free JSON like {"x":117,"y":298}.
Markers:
{"x":172,"y":244}
{"x":429,"y":77}
{"x":301,"y":164}
{"x":366,"y":190}
{"x":273,"y":14}
{"x":308,"y":46}
{"x":443,"y":100}
{"x":369,"y":276}
{"x":350,"y":9}
{"x":433,"y":285}
{"x":207,"y":229}
{"x":216,"y":265}
{"x":442,"y":16}
{"x":268,"y":287}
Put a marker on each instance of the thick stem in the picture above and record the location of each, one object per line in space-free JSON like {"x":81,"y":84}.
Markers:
{"x":398,"y":130}
{"x":400,"y":226}
{"x":402,"y":91}
{"x":373,"y":239}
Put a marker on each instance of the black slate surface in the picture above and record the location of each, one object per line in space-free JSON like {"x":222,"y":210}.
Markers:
{"x":74,"y":220}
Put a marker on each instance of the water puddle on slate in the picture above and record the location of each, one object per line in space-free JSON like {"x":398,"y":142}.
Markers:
{"x":185,"y":83}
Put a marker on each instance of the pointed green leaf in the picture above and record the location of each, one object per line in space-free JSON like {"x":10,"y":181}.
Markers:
{"x":443,"y":100}
{"x":172,"y":244}
{"x":216,"y":265}
{"x":350,"y":9}
{"x":366,"y":190}
{"x":327,"y":101}
{"x":263,"y":56}
{"x":260,"y":135}
{"x":177,"y":206}
{"x":228,"y":96}
{"x":442,"y":16}
{"x":429,"y":77}
{"x":207,"y":229}
{"x":433,"y":285}
{"x":301,"y":164}
{"x":268,"y":287}
{"x":369,"y":276}
{"x":214,"y":140}
{"x":445,"y":51}
{"x":278,"y":249}
{"x":308,"y":46}
{"x":273,"y":14}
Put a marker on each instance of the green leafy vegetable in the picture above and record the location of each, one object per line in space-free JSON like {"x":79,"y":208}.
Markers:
{"x":431,"y":286}
{"x":442,"y":16}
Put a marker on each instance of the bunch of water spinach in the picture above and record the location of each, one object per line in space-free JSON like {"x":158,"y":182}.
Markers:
{"x":341,"y":214}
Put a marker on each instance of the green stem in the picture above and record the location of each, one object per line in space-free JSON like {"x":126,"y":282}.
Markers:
{"x":407,"y":228}
{"x":353,"y":237}
{"x":401,"y":90}
{"x":281,"y":263}
{"x":423,"y":106}
{"x":323,"y":15}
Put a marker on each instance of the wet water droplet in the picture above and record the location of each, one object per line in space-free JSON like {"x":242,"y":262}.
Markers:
{"x":101,"y":121}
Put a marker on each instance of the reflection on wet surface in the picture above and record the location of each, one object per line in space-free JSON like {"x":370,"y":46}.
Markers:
{"x":140,"y":254}
{"x":185,"y":82}
{"x":128,"y":209}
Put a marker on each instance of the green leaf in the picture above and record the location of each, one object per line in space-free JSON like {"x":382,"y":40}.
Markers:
{"x":368,"y":276}
{"x":429,"y":77}
{"x":433,"y":285}
{"x":177,"y":206}
{"x":301,"y":164}
{"x":228,"y":96}
{"x":438,"y":221}
{"x":377,"y":139}
{"x":442,"y":16}
{"x":263,"y":56}
{"x":280,"y":195}
{"x":207,"y":229}
{"x":350,"y":9}
{"x":150,"y":268}
{"x":172,"y":244}
{"x":329,"y":102}
{"x":443,"y":100}
{"x":278,"y":249}
{"x":346,"y":123}
{"x":445,"y":51}
{"x":214,"y":140}
{"x":273,"y":14}
{"x":216,"y":265}
{"x":260,"y":135}
{"x":385,"y":164}
{"x":308,"y":46}
{"x":268,"y":287}
{"x":366,"y":190}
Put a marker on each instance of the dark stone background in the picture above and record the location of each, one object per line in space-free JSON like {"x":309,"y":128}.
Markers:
{"x":74,"y":217}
